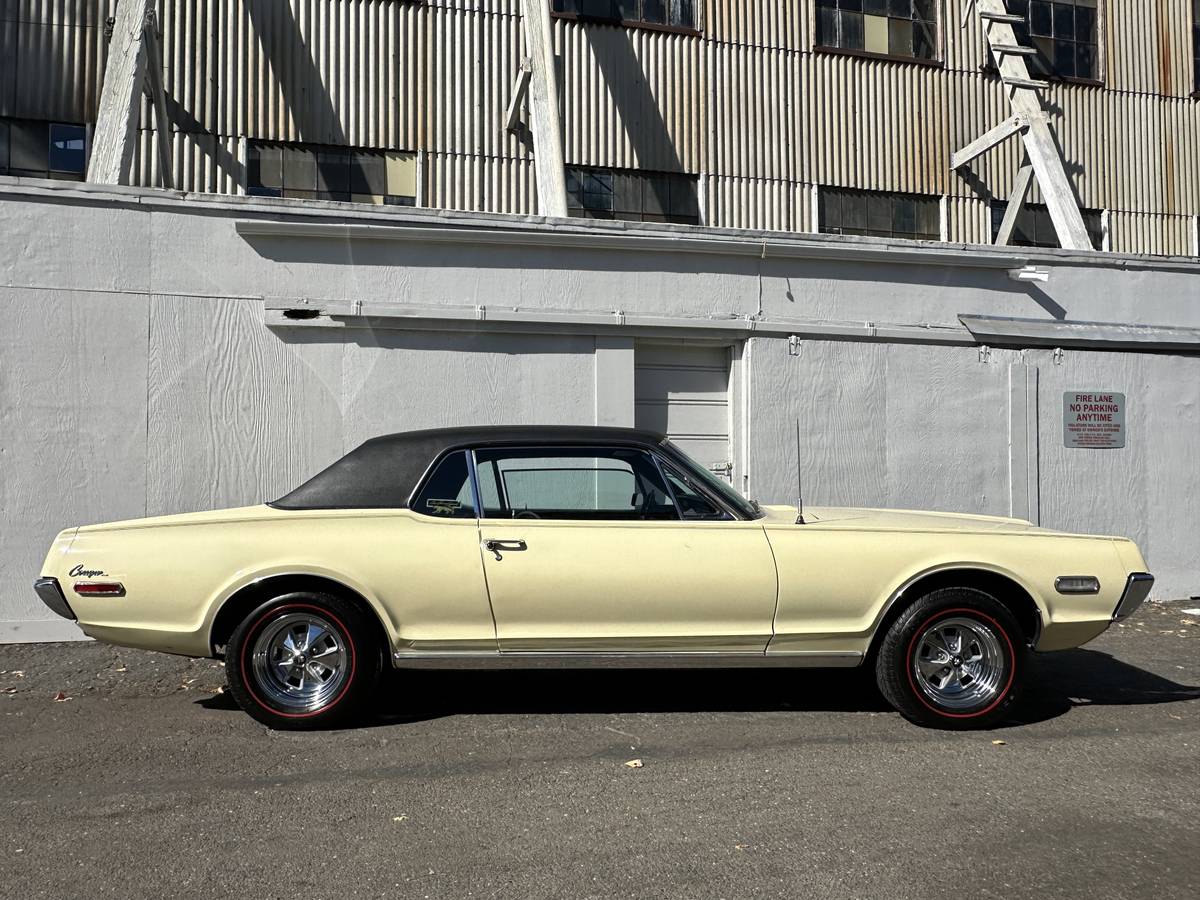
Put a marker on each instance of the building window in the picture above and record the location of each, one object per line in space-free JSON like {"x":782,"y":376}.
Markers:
{"x":1034,"y":227}
{"x":887,"y":27}
{"x":43,"y":149}
{"x":1064,"y":33}
{"x":668,"y":13}
{"x":914,"y":217}
{"x":318,"y":172}
{"x":635,"y":196}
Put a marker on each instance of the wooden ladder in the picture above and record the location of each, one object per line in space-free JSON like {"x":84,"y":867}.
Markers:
{"x":1030,"y":120}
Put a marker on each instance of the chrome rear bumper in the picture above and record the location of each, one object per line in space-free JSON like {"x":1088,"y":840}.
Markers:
{"x":1137,"y":588}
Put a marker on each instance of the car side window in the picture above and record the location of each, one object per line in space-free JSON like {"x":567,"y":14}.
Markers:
{"x":594,"y":483}
{"x":692,"y":504}
{"x":447,"y":492}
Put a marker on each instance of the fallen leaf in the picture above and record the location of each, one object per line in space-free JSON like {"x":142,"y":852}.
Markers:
{"x":60,"y":697}
{"x":399,"y":818}
{"x":17,"y":673}
{"x":219,"y":690}
{"x":999,"y":743}
{"x":741,"y":846}
{"x":122,"y":669}
{"x":10,"y":690}
{"x":634,"y":764}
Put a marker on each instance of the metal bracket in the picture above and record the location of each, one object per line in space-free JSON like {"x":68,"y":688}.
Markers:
{"x":985,"y":353}
{"x":1058,"y":356}
{"x":794,"y":345}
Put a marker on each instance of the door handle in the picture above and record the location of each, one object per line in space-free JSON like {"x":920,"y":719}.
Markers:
{"x":496,"y":546}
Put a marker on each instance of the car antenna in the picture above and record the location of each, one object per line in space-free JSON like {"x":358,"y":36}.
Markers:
{"x":799,"y":481}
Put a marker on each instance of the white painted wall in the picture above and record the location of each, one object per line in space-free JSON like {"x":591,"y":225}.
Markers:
{"x":137,"y":375}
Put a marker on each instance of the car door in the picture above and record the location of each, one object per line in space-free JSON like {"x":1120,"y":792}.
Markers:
{"x":585,"y":550}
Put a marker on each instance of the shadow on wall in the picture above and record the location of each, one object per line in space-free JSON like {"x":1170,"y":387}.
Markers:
{"x":1058,"y":682}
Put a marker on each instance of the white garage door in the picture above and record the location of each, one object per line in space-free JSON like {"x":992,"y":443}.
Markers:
{"x":683,"y":391}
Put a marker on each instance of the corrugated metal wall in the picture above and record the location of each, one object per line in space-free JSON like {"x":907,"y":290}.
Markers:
{"x":749,"y":103}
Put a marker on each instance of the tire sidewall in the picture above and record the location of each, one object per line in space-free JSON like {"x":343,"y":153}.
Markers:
{"x":363,"y":661}
{"x":894,"y":666}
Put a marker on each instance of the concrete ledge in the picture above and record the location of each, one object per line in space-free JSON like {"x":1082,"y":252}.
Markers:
{"x":40,"y":631}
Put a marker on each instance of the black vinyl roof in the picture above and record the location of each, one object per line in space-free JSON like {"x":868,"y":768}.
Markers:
{"x":384,"y":472}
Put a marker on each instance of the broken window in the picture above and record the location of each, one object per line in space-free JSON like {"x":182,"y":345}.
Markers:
{"x":1065,"y":35}
{"x":914,"y":217}
{"x":43,"y":149}
{"x":635,"y":196}
{"x":887,"y":27}
{"x":319,"y":172}
{"x":1034,"y":228}
{"x":671,"y":13}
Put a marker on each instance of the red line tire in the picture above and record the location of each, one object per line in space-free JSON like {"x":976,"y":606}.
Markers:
{"x":955,"y":659}
{"x":304,"y":661}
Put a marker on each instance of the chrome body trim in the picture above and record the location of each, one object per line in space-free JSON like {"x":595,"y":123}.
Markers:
{"x":51,"y":594}
{"x":1137,"y":589}
{"x":551,"y":659}
{"x":1063,"y":586}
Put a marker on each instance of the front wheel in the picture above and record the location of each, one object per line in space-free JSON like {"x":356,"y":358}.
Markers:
{"x":955,"y":659}
{"x":303,"y":661}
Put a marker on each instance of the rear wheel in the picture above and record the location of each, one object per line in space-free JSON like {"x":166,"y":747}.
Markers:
{"x":955,"y":659}
{"x":302,"y":661}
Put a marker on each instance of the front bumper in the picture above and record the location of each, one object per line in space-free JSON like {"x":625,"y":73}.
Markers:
{"x":1137,"y":589}
{"x":51,"y":594}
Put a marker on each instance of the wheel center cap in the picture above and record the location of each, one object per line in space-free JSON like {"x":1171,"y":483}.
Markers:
{"x":301,"y":659}
{"x":958,"y":660}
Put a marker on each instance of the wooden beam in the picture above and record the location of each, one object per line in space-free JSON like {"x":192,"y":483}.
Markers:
{"x":986,"y":142}
{"x":117,"y":120}
{"x":1015,"y":201}
{"x":543,"y":107}
{"x":154,"y":90}
{"x":512,"y":116}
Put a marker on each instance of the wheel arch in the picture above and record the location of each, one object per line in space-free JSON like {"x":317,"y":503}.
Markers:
{"x":1005,"y":587}
{"x":245,"y":599}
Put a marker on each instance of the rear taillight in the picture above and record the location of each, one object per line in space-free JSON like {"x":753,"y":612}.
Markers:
{"x":99,"y":588}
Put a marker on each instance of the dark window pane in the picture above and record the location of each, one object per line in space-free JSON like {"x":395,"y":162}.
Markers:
{"x":333,"y":170}
{"x":854,"y":210}
{"x":1040,"y":18}
{"x":299,"y":169}
{"x":67,"y":148}
{"x":1085,"y":61}
{"x":368,"y":173}
{"x":851,"y":36}
{"x":875,"y":7}
{"x":29,"y":146}
{"x":3,"y":146}
{"x":252,"y":191}
{"x":900,"y":8}
{"x":656,"y":195}
{"x":599,"y":8}
{"x":850,"y":5}
{"x":879,"y":213}
{"x":1085,"y":24}
{"x":627,"y":196}
{"x":900,"y":37}
{"x":685,"y":200}
{"x":1064,"y":21}
{"x":654,"y":11}
{"x":1064,"y":58}
{"x":264,"y":166}
{"x":924,"y":40}
{"x":904,"y":215}
{"x":827,"y":19}
{"x":683,"y":13}
{"x":395,"y":200}
{"x":829,"y":213}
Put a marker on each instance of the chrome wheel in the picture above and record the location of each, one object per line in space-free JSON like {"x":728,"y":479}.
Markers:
{"x":300,"y":661}
{"x":959,"y":663}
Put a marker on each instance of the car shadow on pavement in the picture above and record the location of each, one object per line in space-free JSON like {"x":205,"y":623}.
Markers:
{"x":1057,"y":682}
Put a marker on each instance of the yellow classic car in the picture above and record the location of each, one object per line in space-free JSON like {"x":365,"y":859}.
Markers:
{"x":582,"y":546}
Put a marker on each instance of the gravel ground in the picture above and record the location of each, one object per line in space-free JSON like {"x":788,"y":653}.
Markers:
{"x":131,"y":774}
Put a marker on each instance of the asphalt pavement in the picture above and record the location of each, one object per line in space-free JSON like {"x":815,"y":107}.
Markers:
{"x":130,"y":774}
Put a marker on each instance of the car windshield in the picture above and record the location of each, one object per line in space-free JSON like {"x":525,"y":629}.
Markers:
{"x":746,"y":508}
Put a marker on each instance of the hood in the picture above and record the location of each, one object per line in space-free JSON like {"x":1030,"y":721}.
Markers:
{"x":899,"y":520}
